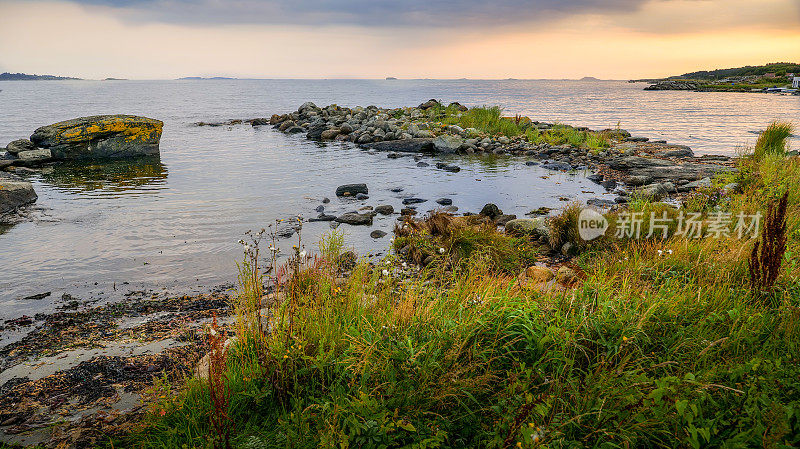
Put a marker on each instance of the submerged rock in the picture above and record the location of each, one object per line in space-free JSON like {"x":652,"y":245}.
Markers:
{"x":100,"y":136}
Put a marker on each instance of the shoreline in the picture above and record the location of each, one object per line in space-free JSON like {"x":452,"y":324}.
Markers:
{"x":127,"y":344}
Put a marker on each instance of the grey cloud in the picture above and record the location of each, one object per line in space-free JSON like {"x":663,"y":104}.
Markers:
{"x":381,"y":13}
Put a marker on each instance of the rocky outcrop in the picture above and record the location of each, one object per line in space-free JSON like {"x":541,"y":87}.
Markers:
{"x":14,"y":192}
{"x":637,"y":167}
{"x":101,"y":136}
{"x":673,"y":85}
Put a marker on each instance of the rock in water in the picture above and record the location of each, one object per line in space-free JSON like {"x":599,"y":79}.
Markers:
{"x":14,"y":193}
{"x":352,"y":190}
{"x":100,"y":136}
{"x":355,"y":219}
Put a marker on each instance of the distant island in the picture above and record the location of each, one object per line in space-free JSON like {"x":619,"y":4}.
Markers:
{"x":589,"y":78}
{"x":777,"y":77}
{"x":6,"y":76}
{"x":390,"y":78}
{"x":205,"y":79}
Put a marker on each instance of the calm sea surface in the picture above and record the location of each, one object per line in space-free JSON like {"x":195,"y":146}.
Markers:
{"x":174,"y":222}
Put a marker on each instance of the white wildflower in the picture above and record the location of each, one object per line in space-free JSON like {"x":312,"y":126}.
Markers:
{"x":303,"y":254}
{"x":386,"y":272}
{"x":441,"y":250}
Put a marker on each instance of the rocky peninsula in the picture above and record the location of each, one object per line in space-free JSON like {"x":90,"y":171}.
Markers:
{"x":620,"y":162}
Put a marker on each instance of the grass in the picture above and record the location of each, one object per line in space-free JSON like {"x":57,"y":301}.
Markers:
{"x":490,"y":121}
{"x":663,"y":343}
{"x":773,"y":139}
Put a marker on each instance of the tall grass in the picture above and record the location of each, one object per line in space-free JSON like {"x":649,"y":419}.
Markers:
{"x":487,"y":120}
{"x":773,"y":139}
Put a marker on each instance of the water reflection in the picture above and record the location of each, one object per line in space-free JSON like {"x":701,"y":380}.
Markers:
{"x":108,"y":178}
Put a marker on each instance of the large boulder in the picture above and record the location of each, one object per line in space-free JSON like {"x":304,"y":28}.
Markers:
{"x":100,"y":136}
{"x":15,"y":193}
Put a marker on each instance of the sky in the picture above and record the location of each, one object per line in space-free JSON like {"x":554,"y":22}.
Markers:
{"x":609,"y":39}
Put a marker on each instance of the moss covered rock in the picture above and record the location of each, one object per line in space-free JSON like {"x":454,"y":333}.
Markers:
{"x":100,"y":136}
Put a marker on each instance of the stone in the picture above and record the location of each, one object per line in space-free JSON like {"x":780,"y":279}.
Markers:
{"x":413,"y":145}
{"x":601,"y":203}
{"x":491,"y":210}
{"x":355,"y":219}
{"x":566,"y":275}
{"x":352,"y":190}
{"x":432,"y":103}
{"x":528,"y":226}
{"x":447,"y":143}
{"x":376,"y":234}
{"x":422,"y":164}
{"x":501,"y":220}
{"x":384,"y":209}
{"x":100,"y":136}
{"x":412,"y":200}
{"x":362,"y":196}
{"x":444,"y":201}
{"x":652,"y":192}
{"x":14,"y":193}
{"x":676,"y":151}
{"x":20,"y":145}
{"x":448,"y":167}
{"x":33,"y":157}
{"x":702,"y":183}
{"x":460,"y":107}
{"x":539,"y":274}
{"x":561,"y":166}
{"x":408,"y":211}
{"x":329,"y":134}
{"x":323,"y":217}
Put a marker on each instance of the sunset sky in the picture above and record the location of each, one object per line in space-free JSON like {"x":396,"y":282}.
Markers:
{"x":615,"y":39}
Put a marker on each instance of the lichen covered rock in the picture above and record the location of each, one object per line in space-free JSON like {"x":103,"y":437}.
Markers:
{"x":100,"y":136}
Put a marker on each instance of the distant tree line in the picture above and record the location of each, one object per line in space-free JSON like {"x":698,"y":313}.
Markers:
{"x":6,"y":76}
{"x":778,"y":68}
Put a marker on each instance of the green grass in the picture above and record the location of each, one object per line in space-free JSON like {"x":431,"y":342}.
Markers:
{"x":488,"y":120}
{"x":773,"y":139}
{"x":661,"y":344}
